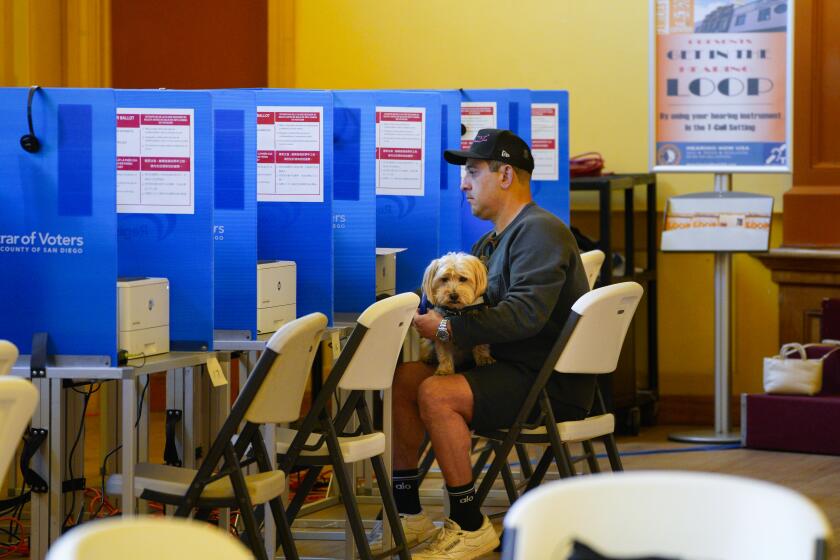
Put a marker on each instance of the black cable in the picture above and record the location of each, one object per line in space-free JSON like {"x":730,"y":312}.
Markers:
{"x":73,"y":452}
{"x":102,"y":470}
{"x":15,"y":513}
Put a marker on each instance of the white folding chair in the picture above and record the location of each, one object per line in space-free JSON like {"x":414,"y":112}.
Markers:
{"x":366,"y":363}
{"x":592,"y":261}
{"x":142,"y":538}
{"x":18,"y":399}
{"x":684,"y":515}
{"x":8,"y":356}
{"x":272,"y":394}
{"x":590,"y":343}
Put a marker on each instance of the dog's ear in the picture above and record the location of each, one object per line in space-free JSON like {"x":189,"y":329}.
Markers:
{"x":480,"y":274}
{"x":428,"y":280}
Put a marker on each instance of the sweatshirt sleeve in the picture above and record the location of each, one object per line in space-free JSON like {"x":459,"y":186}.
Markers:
{"x":539,"y":262}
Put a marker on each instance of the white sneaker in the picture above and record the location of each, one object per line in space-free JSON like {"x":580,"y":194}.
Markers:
{"x":418,"y":528}
{"x":453,"y":543}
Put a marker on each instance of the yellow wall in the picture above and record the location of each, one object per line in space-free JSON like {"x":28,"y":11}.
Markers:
{"x":55,"y":43}
{"x":596,"y":49}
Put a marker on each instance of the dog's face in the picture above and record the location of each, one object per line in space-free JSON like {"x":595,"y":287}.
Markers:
{"x":455,"y":280}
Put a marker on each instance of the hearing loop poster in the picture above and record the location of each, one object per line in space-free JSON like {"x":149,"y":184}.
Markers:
{"x":721,"y":85}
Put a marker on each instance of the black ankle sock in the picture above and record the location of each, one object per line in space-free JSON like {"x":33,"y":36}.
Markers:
{"x":406,"y":486}
{"x":463,"y":509}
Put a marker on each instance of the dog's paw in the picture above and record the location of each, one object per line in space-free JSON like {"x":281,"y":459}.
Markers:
{"x":427,"y":351}
{"x":441,"y":370}
{"x":482,"y":356}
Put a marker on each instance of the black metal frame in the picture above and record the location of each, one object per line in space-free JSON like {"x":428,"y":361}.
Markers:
{"x":232,"y":459}
{"x":319,"y":422}
{"x":503,"y":441}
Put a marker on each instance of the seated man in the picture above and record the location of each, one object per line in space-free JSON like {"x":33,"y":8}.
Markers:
{"x":534,"y":276}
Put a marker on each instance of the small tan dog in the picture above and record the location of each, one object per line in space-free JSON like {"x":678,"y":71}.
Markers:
{"x":452,"y":283}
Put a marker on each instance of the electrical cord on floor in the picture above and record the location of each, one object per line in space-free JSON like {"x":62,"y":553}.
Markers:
{"x":102,"y":470}
{"x":17,"y":542}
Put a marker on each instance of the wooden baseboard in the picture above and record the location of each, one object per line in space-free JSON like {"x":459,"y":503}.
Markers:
{"x":695,"y":410}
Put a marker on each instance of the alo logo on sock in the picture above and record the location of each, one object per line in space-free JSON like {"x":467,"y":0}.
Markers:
{"x":466,"y":499}
{"x":402,"y":486}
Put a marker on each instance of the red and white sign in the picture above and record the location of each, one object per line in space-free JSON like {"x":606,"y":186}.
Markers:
{"x":400,"y":156}
{"x":155,"y":154}
{"x":545,"y":141}
{"x":290,"y":154}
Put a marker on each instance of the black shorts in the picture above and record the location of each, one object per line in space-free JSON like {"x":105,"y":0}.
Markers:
{"x":499,"y":391}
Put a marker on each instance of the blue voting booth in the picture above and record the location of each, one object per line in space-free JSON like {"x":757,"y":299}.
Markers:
{"x":366,"y":124}
{"x":172,"y":236}
{"x":58,"y":228}
{"x":235,"y":210}
{"x":295,"y":190}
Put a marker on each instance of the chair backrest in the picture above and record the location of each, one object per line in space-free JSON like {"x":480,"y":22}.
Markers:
{"x":592,"y":261}
{"x":18,"y":399}
{"x":373,"y":362}
{"x":603,"y":316}
{"x":140,"y":538}
{"x":8,"y":356}
{"x":672,"y":514}
{"x":281,"y":393}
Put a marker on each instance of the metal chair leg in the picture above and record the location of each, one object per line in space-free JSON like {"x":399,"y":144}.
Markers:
{"x":390,"y":505}
{"x":612,"y":453}
{"x":348,"y":491}
{"x":303,"y":490}
{"x":591,"y":459}
{"x":510,"y":484}
{"x":284,"y":531}
{"x":524,"y":461}
{"x":479,"y":464}
{"x":539,"y":472}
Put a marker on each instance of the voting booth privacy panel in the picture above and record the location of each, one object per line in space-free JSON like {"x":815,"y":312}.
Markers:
{"x":58,"y":228}
{"x":165,"y":203}
{"x":408,"y":159}
{"x":235,"y":211}
{"x":451,"y":199}
{"x":384,"y":148}
{"x":295,"y":190}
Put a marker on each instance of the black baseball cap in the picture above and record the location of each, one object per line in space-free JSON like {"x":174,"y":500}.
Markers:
{"x":497,"y":145}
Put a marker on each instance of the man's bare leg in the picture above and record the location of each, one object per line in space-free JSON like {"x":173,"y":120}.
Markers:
{"x":446,"y":407}
{"x":407,"y":424}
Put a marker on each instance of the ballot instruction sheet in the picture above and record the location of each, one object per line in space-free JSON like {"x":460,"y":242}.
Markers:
{"x":290,"y":154}
{"x":400,"y":157}
{"x":155,"y":161}
{"x":544,"y":141}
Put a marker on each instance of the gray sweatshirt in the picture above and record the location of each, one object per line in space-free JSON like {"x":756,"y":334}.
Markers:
{"x":534,"y":276}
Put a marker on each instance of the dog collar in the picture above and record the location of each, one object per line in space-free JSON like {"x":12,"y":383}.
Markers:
{"x":453,"y":312}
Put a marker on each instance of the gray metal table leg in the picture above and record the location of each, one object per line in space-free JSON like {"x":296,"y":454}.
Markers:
{"x":129,"y":444}
{"x":40,"y":505}
{"x":57,"y":455}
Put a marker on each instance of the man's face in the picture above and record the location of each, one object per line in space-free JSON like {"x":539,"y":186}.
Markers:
{"x":482,"y":188}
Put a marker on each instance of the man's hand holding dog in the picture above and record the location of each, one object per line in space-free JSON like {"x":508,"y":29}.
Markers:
{"x":427,"y":324}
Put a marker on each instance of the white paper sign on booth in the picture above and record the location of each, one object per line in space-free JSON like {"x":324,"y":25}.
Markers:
{"x":545,"y":138}
{"x":290,"y":154}
{"x":155,"y":161}
{"x":400,"y":158}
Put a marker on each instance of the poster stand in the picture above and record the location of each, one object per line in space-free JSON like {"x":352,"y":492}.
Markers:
{"x":723,"y":432}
